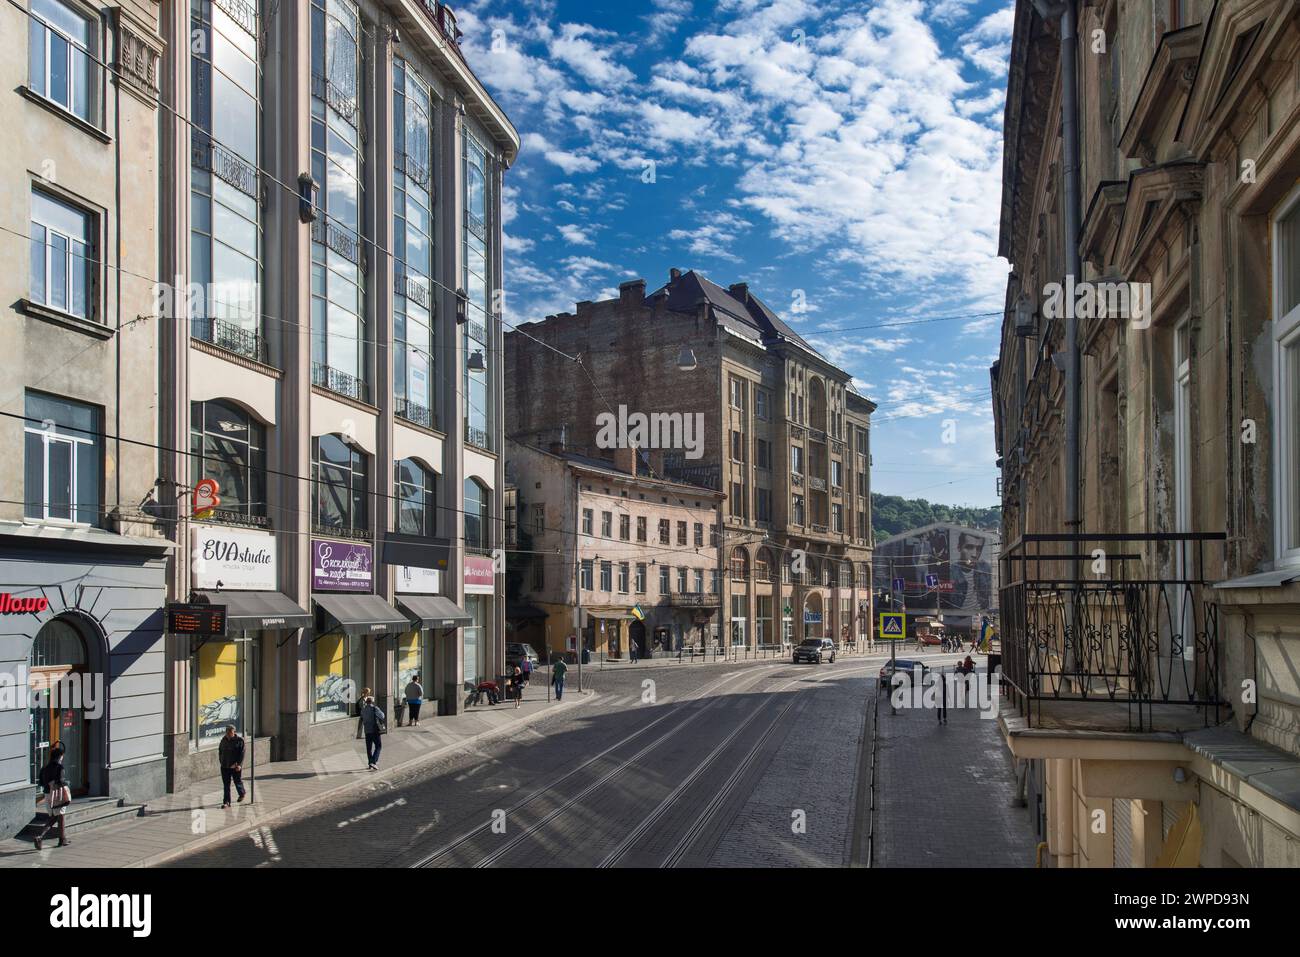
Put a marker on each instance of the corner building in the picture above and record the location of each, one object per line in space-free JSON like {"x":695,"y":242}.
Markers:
{"x":786,"y":441}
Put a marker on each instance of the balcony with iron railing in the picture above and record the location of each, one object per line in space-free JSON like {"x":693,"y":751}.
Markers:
{"x":231,"y":337}
{"x":336,"y":380}
{"x":404,"y":408}
{"x":1112,"y":633}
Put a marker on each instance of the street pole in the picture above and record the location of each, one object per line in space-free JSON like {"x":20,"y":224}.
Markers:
{"x":893,"y":645}
{"x":577,"y":579}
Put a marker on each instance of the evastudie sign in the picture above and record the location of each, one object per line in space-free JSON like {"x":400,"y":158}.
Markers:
{"x":241,"y":559}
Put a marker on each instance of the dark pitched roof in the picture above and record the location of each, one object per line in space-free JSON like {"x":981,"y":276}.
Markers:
{"x":686,"y":291}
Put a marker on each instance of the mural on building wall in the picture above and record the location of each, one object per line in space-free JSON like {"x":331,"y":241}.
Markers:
{"x":945,"y":569}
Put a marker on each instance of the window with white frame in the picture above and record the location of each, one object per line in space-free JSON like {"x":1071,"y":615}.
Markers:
{"x":63,"y":251}
{"x":1286,"y":371}
{"x":61,"y":52}
{"x":63,"y":453}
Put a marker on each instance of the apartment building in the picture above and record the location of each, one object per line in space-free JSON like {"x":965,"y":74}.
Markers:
{"x":82,"y":565}
{"x":782,"y":435}
{"x":638,"y":555}
{"x":1151,"y":636}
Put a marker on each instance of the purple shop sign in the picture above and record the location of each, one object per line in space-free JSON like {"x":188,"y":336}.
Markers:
{"x":341,"y":566}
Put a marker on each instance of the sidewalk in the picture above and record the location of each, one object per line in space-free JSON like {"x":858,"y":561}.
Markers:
{"x":179,"y":824}
{"x":945,"y":794}
{"x":667,"y":660}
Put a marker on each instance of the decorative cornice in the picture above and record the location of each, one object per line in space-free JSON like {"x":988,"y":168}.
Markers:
{"x":1169,"y":79}
{"x":138,"y":53}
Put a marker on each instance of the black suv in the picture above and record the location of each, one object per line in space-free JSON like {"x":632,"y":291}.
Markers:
{"x":814,"y":650}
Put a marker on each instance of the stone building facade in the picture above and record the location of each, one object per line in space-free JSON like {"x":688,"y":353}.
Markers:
{"x":1159,"y":691}
{"x":637,"y":554}
{"x":783,"y":436}
{"x":82,"y":646}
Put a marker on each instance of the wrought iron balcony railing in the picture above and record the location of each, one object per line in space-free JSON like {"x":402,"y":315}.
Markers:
{"x":336,"y":380}
{"x":232,"y":338}
{"x":1125,"y":621}
{"x":478,"y":437}
{"x":414,"y":412}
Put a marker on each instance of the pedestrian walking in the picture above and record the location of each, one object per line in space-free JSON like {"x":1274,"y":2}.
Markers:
{"x":631,"y":650}
{"x":374,"y":723}
{"x":517,"y":685}
{"x":557,"y":678}
{"x":526,"y":666}
{"x":414,"y":698}
{"x":56,"y":794}
{"x":230,"y":753}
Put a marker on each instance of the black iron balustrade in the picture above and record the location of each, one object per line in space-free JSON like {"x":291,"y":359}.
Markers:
{"x":411,"y":286}
{"x":478,"y":438}
{"x":413,"y":412}
{"x":336,"y":380}
{"x":232,"y":338}
{"x":1124,"y":620}
{"x":225,"y":164}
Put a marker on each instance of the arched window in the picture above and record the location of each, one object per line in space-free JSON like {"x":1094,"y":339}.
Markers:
{"x":229,"y":445}
{"x":416,"y":502}
{"x":739,"y":565}
{"x":338,"y":474}
{"x":476,"y":515}
{"x":816,"y":404}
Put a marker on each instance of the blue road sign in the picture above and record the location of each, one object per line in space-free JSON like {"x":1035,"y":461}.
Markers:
{"x":931,"y":581}
{"x":893,"y":625}
{"x":900,"y":584}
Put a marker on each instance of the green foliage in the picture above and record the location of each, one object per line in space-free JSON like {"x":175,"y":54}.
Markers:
{"x":891,"y":514}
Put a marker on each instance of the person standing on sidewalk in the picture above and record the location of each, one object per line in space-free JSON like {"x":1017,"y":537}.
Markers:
{"x":374,"y":724}
{"x":557,"y":678}
{"x":414,"y":698}
{"x":517,"y":685}
{"x":231,"y":754}
{"x":57,"y":796}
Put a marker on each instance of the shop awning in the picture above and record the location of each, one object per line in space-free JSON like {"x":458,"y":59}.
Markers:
{"x":434,"y":611}
{"x":358,"y":614}
{"x":259,"y":610}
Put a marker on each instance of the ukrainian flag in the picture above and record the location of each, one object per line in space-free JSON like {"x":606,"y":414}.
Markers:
{"x":637,"y":613}
{"x":986,"y":635}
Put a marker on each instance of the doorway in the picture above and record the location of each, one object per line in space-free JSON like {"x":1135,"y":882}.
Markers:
{"x":58,"y":676}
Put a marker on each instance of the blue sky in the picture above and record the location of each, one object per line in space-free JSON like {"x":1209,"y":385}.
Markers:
{"x":843,"y":158}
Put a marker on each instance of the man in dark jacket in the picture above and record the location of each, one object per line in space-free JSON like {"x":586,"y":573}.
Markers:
{"x":231,"y":752}
{"x":374,"y":723}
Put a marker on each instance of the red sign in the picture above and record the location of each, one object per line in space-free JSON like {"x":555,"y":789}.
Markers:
{"x":9,"y":605}
{"x":480,"y":575}
{"x":206,"y":498}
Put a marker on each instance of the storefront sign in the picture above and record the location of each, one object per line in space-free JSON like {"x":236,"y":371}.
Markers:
{"x":419,"y":581}
{"x":480,"y":576}
{"x":9,"y":605}
{"x":341,"y":566}
{"x":199,"y":620}
{"x":240,"y":559}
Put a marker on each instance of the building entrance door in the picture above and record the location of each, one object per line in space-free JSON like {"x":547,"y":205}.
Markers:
{"x":58,"y":677}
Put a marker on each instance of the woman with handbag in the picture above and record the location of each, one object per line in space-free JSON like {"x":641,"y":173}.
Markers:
{"x":54,"y":784}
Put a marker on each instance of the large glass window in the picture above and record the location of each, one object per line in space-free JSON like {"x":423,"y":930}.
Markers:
{"x":416,"y":509}
{"x":63,"y":256}
{"x":1286,"y":370}
{"x":225,"y":203}
{"x":61,"y":51}
{"x":338,"y":320}
{"x":477,"y":255}
{"x":413,"y":248}
{"x":62,"y":460}
{"x":338,"y":474}
{"x":229,"y":445}
{"x":476,"y":515}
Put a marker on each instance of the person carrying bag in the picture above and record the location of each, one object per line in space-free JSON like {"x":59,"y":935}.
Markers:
{"x":57,"y":795}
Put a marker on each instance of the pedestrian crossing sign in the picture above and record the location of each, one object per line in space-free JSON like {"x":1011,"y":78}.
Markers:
{"x":893,"y":625}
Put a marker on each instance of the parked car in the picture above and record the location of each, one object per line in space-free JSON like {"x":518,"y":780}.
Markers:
{"x":905,"y":665}
{"x":516,"y":652}
{"x":814,"y":650}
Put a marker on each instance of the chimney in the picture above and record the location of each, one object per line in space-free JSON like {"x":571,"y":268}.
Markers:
{"x":739,"y":290}
{"x":625,"y":459}
{"x":632,"y":292}
{"x":674,"y":274}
